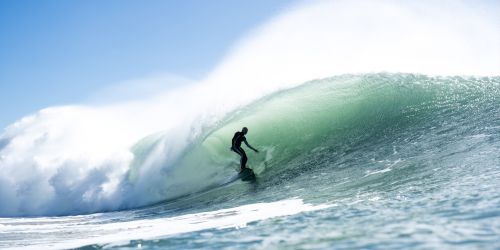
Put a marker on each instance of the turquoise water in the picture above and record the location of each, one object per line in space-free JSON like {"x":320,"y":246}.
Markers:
{"x":376,"y":161}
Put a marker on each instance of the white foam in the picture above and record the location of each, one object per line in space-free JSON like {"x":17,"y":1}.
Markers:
{"x":73,"y":234}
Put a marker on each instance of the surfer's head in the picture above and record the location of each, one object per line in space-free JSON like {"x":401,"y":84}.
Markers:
{"x":244,"y":130}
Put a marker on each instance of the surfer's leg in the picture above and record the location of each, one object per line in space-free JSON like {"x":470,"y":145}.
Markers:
{"x":243,"y":155}
{"x":244,"y":159}
{"x":236,"y":150}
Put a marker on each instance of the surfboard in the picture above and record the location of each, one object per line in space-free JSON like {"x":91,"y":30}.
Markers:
{"x":247,"y":175}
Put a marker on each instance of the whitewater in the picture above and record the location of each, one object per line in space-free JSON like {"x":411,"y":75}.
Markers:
{"x":353,"y":153}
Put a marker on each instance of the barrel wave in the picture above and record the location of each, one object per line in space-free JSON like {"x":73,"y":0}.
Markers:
{"x":404,"y":157}
{"x":348,"y":128}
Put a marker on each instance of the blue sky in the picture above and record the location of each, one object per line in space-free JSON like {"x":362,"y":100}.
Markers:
{"x":61,"y":52}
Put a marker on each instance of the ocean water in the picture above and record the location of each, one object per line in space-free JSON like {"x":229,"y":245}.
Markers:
{"x":372,"y":161}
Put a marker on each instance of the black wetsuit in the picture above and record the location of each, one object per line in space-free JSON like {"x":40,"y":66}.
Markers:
{"x":238,"y":138}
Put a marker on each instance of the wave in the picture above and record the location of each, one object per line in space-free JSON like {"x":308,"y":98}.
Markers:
{"x":84,"y":159}
{"x":323,"y":121}
{"x":326,"y":120}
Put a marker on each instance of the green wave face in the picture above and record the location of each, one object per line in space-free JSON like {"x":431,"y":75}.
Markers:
{"x":332,"y":117}
{"x":344,"y":127}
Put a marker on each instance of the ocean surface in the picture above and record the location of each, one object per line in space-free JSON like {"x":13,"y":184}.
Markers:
{"x":372,"y":161}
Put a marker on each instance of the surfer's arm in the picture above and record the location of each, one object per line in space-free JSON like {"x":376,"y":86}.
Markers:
{"x":248,"y":145}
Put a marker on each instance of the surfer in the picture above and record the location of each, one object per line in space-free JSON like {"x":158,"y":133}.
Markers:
{"x":236,"y":146}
